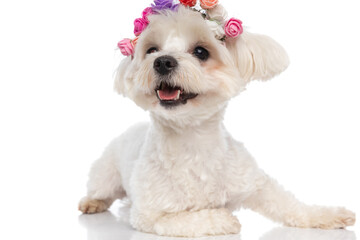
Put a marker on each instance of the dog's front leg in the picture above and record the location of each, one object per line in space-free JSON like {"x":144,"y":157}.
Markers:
{"x":104,"y":185}
{"x":274,"y":202}
{"x":200,"y":223}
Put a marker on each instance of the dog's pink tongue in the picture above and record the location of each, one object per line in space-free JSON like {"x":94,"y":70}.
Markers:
{"x":168,"y":94}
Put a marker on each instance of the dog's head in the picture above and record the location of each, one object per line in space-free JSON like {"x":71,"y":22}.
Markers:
{"x":181,"y":70}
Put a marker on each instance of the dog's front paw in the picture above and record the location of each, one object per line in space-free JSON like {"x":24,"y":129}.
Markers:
{"x":334,"y":218}
{"x":88,"y":205}
{"x":346,"y":217}
{"x":330,"y":218}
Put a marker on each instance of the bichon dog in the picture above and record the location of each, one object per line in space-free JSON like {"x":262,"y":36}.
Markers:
{"x":183,"y":172}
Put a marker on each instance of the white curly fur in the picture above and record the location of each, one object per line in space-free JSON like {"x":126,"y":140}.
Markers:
{"x":183,"y":172}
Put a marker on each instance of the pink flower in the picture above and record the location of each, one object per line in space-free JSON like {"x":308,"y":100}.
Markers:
{"x":208,"y":4}
{"x":233,"y":28}
{"x":125,"y":46}
{"x":147,"y":11}
{"x":139,"y":25}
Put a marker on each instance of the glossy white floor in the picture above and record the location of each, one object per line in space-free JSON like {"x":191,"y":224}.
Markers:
{"x":58,"y":219}
{"x":58,"y":112}
{"x":113,"y":225}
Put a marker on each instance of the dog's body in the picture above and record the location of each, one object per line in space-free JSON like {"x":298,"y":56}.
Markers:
{"x":183,"y":172}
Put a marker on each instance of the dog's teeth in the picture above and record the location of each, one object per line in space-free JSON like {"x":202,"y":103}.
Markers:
{"x":178,"y":95}
{"x":158,"y":93}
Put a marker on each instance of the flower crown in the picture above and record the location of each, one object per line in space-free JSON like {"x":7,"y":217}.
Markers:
{"x":216,"y":21}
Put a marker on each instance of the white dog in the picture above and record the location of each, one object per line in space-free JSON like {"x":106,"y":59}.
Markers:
{"x":183,"y":172}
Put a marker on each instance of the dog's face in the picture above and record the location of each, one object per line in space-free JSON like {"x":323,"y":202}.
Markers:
{"x":180,"y":71}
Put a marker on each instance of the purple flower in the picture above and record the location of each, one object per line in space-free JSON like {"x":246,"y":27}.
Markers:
{"x":175,"y":7}
{"x":164,"y":4}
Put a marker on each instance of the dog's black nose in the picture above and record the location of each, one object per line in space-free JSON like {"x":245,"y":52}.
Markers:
{"x":165,"y":64}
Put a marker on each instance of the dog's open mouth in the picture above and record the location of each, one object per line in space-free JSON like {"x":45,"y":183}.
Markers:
{"x":170,"y":96}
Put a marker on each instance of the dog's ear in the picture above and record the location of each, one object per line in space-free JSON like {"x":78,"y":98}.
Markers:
{"x":257,"y":56}
{"x":120,"y":76}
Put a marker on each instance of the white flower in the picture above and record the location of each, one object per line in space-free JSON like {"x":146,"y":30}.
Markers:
{"x":216,"y":28}
{"x":218,"y":13}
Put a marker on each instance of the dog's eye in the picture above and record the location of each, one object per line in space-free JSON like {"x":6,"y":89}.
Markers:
{"x":201,"y":53}
{"x":151,"y":50}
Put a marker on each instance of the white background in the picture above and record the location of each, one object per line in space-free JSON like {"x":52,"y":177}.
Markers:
{"x":58,"y":110}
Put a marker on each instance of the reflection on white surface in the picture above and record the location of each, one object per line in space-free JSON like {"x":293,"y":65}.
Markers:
{"x":286,"y":233}
{"x":144,"y":236}
{"x":105,"y":226}
{"x":113,"y":224}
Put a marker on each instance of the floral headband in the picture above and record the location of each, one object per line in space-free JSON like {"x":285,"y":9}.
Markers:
{"x":216,"y":20}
